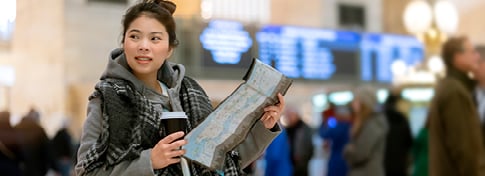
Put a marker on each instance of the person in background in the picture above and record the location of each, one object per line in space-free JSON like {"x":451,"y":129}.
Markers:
{"x":455,"y":138}
{"x":35,"y":145}
{"x":399,"y":139}
{"x":300,"y":139}
{"x":420,"y":152}
{"x":479,"y":73}
{"x":277,"y":157}
{"x":328,"y":113}
{"x":365,"y":151}
{"x":10,"y":153}
{"x":336,"y":133}
{"x":62,"y":150}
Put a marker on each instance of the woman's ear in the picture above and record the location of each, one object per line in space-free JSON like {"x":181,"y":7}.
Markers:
{"x":170,"y":52}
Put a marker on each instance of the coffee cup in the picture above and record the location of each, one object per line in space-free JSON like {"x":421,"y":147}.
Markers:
{"x":174,"y":122}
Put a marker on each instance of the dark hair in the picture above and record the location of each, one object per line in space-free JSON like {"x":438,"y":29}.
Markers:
{"x":391,"y":101}
{"x":160,"y":10}
{"x":451,"y":47}
{"x":4,"y":117}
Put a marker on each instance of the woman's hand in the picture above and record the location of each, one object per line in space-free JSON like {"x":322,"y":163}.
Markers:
{"x":164,"y":153}
{"x":273,"y":113}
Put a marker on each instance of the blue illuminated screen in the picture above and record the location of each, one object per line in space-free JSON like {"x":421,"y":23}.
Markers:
{"x":379,"y":51}
{"x":309,"y":53}
{"x":227,"y":43}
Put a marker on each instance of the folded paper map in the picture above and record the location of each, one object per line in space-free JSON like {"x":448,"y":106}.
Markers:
{"x":231,"y":121}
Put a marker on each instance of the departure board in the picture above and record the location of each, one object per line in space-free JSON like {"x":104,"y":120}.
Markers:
{"x":309,"y":53}
{"x":379,"y":51}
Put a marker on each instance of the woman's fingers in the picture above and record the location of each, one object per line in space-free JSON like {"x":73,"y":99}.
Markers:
{"x":272,"y":108}
{"x":175,"y":153}
{"x":265,"y":117}
{"x":281,"y":105}
{"x":176,"y":145}
{"x":172,"y":137}
{"x":163,"y":153}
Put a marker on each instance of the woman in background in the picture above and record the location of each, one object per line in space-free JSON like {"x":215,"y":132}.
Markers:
{"x":365,"y":151}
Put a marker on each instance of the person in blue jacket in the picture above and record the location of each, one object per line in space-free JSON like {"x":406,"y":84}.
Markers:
{"x":277,"y":156}
{"x":335,"y":131}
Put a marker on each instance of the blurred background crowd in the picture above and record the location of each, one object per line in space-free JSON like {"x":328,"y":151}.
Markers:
{"x":367,"y":74}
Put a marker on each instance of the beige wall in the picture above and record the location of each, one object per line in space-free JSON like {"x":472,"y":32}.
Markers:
{"x":373,"y":13}
{"x":92,"y":31}
{"x":36,"y":54}
{"x":187,"y":8}
{"x":77,"y":105}
{"x":471,"y":23}
{"x":322,"y":13}
{"x":392,"y":18}
{"x":297,"y":12}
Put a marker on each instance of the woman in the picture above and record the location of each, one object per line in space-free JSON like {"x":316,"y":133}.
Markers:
{"x":123,"y":133}
{"x":365,"y":151}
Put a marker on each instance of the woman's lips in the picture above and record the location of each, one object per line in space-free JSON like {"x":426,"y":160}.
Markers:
{"x":143,"y":59}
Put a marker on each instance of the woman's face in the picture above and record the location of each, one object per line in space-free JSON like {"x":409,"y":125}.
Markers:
{"x":146,"y":46}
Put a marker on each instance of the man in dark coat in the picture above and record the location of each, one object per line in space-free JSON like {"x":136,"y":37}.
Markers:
{"x":399,"y":139}
{"x":455,"y":139}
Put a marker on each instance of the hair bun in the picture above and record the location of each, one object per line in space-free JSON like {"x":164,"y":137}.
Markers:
{"x":169,"y":5}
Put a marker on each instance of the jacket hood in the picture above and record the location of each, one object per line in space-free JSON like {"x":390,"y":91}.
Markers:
{"x":170,"y":73}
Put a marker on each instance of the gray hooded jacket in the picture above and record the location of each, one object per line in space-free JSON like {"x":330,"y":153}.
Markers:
{"x":171,"y":74}
{"x":366,"y":157}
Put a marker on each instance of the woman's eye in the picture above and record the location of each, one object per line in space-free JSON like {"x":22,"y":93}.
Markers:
{"x":134,"y":37}
{"x":156,"y":38}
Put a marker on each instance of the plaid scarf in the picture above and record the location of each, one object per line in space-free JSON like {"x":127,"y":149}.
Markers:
{"x":131,"y":125}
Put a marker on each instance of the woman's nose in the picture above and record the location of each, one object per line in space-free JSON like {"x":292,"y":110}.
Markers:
{"x":143,"y":46}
